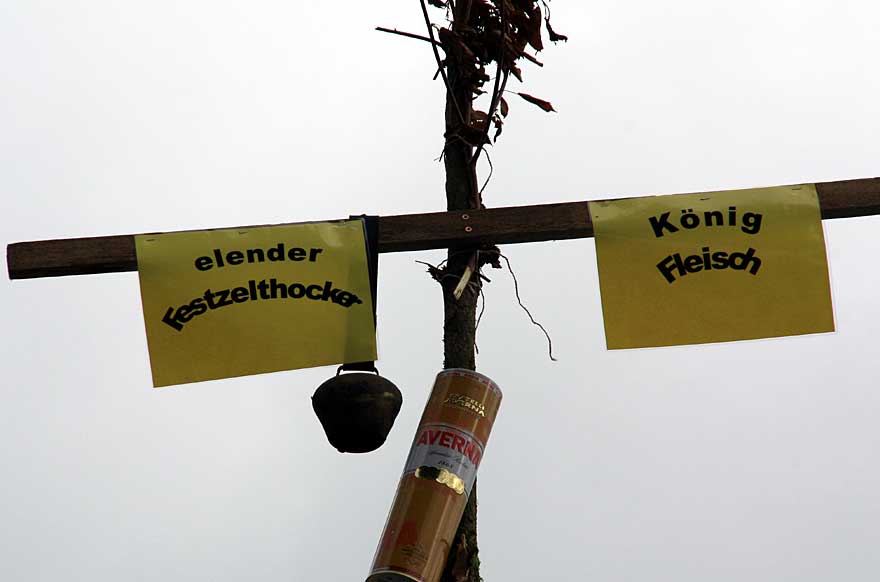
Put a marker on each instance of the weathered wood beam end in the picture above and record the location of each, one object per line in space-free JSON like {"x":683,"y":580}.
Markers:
{"x":72,"y":256}
{"x":849,"y":198}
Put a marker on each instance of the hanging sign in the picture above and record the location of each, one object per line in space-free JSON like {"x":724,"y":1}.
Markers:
{"x":225,"y":303}
{"x":712,"y":267}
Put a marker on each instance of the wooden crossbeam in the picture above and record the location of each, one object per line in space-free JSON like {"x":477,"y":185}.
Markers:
{"x":411,"y":232}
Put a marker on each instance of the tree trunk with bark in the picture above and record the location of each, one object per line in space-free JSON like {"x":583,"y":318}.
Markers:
{"x":479,"y":34}
{"x":459,"y":323}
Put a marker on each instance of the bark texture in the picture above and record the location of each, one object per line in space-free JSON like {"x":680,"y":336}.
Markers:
{"x":463,"y":564}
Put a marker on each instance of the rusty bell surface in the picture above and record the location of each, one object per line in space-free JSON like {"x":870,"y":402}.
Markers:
{"x":357,"y":410}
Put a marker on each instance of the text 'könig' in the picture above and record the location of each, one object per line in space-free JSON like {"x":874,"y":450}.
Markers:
{"x":675,"y":266}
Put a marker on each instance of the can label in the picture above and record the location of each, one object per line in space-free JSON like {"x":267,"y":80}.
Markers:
{"x":445,"y":454}
{"x":438,"y":477}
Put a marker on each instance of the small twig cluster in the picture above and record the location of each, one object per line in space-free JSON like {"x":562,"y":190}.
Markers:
{"x":500,"y":32}
{"x":478,"y":34}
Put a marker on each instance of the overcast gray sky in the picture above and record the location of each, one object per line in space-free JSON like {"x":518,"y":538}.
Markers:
{"x":748,"y":461}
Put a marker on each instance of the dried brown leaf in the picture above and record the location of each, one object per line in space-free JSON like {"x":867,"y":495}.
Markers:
{"x":516,"y":72}
{"x":499,"y":126}
{"x":554,"y":36}
{"x":504,"y":107}
{"x":545,"y":105}
{"x":533,"y":26}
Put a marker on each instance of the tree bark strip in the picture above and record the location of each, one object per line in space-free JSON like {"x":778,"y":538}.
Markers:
{"x":463,"y":564}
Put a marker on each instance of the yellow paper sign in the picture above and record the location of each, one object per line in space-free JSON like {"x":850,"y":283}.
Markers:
{"x":712,"y":267}
{"x":225,"y":303}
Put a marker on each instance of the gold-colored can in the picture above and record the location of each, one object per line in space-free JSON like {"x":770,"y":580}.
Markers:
{"x":437,"y":478}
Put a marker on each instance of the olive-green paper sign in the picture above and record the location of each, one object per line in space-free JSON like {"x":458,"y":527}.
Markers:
{"x":225,"y":303}
{"x":712,"y":267}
